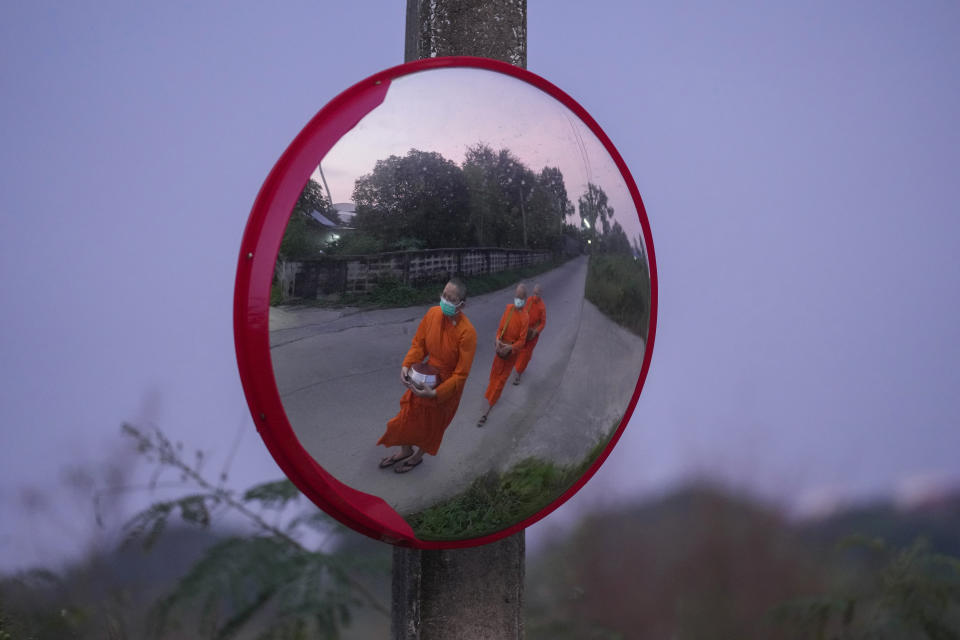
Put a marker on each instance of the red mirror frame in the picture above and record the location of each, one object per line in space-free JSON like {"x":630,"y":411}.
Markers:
{"x":360,"y":511}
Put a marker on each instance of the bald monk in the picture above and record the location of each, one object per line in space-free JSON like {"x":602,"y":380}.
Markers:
{"x":507,"y":342}
{"x":448,"y":341}
{"x":538,"y":320}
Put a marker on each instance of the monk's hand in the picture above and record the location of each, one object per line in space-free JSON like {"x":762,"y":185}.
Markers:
{"x":405,"y":376}
{"x":425,"y":392}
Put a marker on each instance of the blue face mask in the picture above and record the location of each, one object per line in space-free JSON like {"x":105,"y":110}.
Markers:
{"x":448,"y":308}
{"x":518,"y":303}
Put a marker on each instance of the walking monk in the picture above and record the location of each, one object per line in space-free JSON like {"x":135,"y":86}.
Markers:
{"x":538,"y":320}
{"x":509,"y":339}
{"x":448,"y":341}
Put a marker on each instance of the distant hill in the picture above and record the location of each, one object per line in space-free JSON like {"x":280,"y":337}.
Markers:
{"x":938,"y":521}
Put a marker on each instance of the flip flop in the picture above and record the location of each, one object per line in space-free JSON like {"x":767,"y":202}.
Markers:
{"x":406,"y":465}
{"x":481,"y":421}
{"x":389,"y":461}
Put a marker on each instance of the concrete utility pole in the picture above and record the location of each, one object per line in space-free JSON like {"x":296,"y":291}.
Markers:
{"x":475,"y":593}
{"x":487,"y":28}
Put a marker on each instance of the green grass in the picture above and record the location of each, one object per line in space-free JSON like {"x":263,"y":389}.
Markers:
{"x":276,"y":297}
{"x":496,"y":501}
{"x":394,"y":293}
{"x":619,"y":286}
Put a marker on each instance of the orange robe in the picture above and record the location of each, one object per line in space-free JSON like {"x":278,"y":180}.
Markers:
{"x":516,"y":335}
{"x":538,"y":320}
{"x":449,"y":345}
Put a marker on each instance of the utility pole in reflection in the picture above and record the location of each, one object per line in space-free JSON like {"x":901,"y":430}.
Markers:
{"x":462,"y":594}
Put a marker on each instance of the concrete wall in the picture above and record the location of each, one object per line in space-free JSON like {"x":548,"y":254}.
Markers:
{"x":336,"y":275}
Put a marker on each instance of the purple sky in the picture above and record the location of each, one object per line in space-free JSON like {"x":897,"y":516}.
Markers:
{"x":799,"y":165}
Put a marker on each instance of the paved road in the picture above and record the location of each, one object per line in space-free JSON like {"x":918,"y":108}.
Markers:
{"x":338,"y":376}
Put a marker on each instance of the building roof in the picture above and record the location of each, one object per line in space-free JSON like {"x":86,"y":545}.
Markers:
{"x":322,"y":219}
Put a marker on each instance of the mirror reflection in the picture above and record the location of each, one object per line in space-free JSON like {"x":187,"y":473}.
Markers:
{"x":461,"y":303}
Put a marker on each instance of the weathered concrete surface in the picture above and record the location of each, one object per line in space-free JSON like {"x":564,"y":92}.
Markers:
{"x":491,"y":29}
{"x":467,"y":594}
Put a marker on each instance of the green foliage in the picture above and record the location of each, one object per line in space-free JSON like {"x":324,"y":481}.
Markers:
{"x":304,"y":237}
{"x":28,"y":608}
{"x":356,"y":244}
{"x":305,"y":594}
{"x":420,"y":195}
{"x":243,"y":581}
{"x":911,"y":592}
{"x":595,"y":211}
{"x":423,"y":200}
{"x":496,"y":501}
{"x":619,"y":286}
{"x":615,"y":241}
{"x":276,"y":294}
{"x":311,"y":199}
{"x":510,"y":205}
{"x":272,"y":495}
{"x":600,"y":231}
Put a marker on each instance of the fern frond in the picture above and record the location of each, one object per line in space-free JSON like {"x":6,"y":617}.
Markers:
{"x":148,"y":524}
{"x":272,"y":495}
{"x":229,"y":581}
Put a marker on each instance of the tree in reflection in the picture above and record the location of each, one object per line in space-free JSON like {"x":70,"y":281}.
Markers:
{"x":599,"y":226}
{"x":305,"y":236}
{"x":424,"y":201}
{"x":595,"y":212}
{"x":412,"y":202}
{"x":618,"y":279}
{"x":511,"y":205}
{"x":558,"y":205}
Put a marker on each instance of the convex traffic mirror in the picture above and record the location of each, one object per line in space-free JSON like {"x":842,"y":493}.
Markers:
{"x":445,"y":303}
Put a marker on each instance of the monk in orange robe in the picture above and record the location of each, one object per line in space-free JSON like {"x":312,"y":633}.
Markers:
{"x":537,"y":313}
{"x":510,"y":337}
{"x":447,"y":340}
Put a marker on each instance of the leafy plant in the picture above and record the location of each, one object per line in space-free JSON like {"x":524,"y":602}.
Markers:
{"x":619,"y":285}
{"x":910,"y":592}
{"x":497,"y":500}
{"x":242,"y":582}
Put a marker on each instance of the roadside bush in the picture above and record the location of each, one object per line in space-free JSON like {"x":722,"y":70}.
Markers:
{"x":619,"y":285}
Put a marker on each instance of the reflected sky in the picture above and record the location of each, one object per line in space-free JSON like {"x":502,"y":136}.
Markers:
{"x":449,"y":110}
